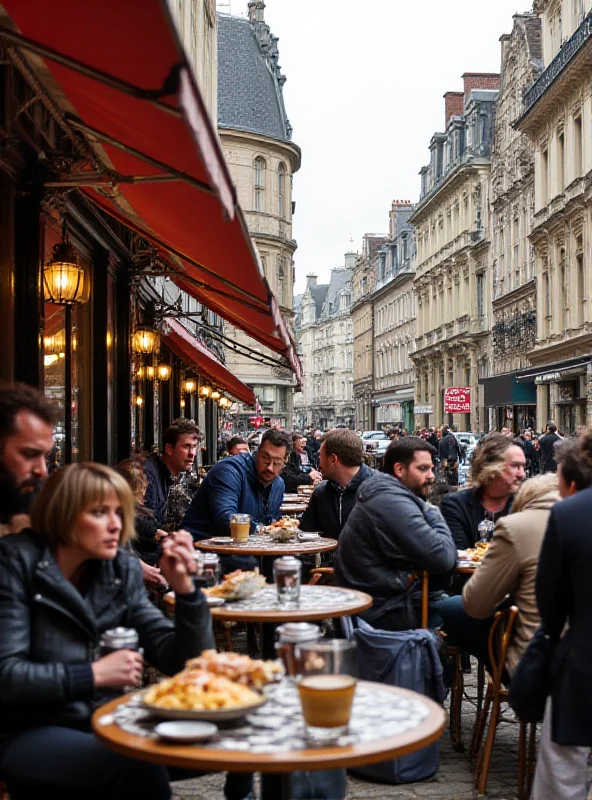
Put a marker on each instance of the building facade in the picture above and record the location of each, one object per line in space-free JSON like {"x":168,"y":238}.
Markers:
{"x":393,"y":312}
{"x":196,"y":23}
{"x":363,"y":282}
{"x":452,"y":278}
{"x":307,"y":312}
{"x":510,"y":403}
{"x":325,"y":339}
{"x":556,"y":118}
{"x":256,"y":140}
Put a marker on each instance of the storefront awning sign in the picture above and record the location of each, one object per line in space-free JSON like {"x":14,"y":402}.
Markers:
{"x":423,"y":409}
{"x":457,"y":400}
{"x":121,"y":78}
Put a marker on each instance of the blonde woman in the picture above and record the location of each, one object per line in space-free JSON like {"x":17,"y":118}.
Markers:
{"x":497,"y":471}
{"x":61,"y":587}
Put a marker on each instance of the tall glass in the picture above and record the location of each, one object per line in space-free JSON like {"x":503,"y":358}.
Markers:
{"x":287,"y":572}
{"x":240,"y":525}
{"x":327,"y":688}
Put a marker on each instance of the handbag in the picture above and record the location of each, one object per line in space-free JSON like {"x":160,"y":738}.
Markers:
{"x":531,"y":681}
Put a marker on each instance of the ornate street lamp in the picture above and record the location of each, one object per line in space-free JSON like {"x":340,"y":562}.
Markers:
{"x":64,"y":282}
{"x":205,"y":391}
{"x":145,"y":341}
{"x":215,"y":395}
{"x":189,"y":385}
{"x":163,"y":372}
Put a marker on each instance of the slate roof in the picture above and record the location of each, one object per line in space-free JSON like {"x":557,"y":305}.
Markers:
{"x":318,"y":295}
{"x":249,"y":80}
{"x":339,"y":280}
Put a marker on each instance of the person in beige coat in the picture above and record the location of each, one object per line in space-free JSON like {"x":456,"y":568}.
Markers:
{"x":510,"y":565}
{"x":508,"y":568}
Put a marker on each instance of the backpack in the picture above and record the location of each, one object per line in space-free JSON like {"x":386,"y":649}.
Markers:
{"x":409,"y":659}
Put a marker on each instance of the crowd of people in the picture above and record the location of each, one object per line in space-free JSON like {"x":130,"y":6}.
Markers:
{"x":83,"y":544}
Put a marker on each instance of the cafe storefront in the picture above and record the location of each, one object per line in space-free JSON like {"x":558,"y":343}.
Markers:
{"x":510,"y":403}
{"x":564,"y":393}
{"x":113,"y":184}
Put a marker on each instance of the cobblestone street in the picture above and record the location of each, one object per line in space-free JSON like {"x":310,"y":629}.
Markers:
{"x":454,"y":780}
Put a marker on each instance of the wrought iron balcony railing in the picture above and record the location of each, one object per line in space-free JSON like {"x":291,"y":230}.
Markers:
{"x":559,"y":63}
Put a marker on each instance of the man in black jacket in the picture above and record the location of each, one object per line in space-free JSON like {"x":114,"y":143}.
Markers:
{"x":298,"y":470}
{"x":26,"y":438}
{"x":179,"y":448}
{"x":391,"y":533}
{"x":343,"y":469}
{"x":547,"y":444}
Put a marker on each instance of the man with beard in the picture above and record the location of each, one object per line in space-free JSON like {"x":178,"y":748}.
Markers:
{"x":391,"y":533}
{"x":26,"y":436}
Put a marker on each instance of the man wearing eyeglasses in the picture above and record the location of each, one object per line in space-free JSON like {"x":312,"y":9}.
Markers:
{"x":240,"y":485}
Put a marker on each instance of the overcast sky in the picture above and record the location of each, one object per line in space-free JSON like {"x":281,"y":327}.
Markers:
{"x":365,"y":80}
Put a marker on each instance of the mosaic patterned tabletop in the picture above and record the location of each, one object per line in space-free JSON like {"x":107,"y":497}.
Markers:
{"x":277,"y":726}
{"x":262,"y":544}
{"x":326,"y":599}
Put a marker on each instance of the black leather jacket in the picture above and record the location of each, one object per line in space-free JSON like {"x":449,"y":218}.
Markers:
{"x":50,"y":632}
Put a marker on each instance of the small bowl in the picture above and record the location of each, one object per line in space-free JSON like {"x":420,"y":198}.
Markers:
{"x":186,"y":731}
{"x":308,"y":537}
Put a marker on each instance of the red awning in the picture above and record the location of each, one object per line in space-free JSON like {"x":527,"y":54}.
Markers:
{"x":205,"y":362}
{"x":123,"y":81}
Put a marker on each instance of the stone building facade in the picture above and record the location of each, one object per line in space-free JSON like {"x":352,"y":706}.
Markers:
{"x":509,"y":402}
{"x":307,"y":312}
{"x":196,"y":23}
{"x":393,"y":312}
{"x":363,"y":283}
{"x":325,"y":340}
{"x":256,"y":138}
{"x":453,"y":275}
{"x":557,"y":119}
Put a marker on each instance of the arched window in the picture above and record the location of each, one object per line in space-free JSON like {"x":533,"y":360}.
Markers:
{"x":282,"y":189}
{"x":259,"y":184}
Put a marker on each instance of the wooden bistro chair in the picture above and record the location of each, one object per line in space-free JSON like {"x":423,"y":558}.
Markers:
{"x":321,"y":575}
{"x":455,"y":656}
{"x":499,"y":640}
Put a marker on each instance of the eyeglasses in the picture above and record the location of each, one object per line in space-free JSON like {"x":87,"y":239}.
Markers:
{"x":267,"y":459}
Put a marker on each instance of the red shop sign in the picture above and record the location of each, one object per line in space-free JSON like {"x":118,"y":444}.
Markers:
{"x":457,"y":400}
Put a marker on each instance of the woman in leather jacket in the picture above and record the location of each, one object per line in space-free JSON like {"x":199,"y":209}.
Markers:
{"x":61,"y":587}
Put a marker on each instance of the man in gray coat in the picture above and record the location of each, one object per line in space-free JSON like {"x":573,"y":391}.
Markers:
{"x":391,"y":533}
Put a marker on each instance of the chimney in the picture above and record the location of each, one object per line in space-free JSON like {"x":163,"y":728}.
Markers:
{"x":453,"y":106}
{"x":311,"y":280}
{"x":480,"y":80}
{"x":256,"y":11}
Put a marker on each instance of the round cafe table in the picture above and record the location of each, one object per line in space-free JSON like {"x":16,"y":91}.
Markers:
{"x":290,"y":509}
{"x":386,"y":722}
{"x":316,"y":603}
{"x":264,"y":545}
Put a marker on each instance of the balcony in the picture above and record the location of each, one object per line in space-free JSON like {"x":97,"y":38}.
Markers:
{"x":563,"y":58}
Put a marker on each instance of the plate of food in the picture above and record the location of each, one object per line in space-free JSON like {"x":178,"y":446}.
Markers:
{"x":214,"y":687}
{"x":283,"y":529}
{"x":476,"y":553}
{"x":237,"y":585}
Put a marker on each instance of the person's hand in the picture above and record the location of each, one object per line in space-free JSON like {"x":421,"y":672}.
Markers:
{"x":160,"y":535}
{"x":152,"y":575}
{"x":316,"y":477}
{"x":177,"y":563}
{"x":118,"y":670}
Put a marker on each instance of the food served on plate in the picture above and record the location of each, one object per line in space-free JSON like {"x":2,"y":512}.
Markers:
{"x":196,"y":690}
{"x":476,"y":553}
{"x":285,"y":522}
{"x":237,"y":585}
{"x":242,"y":669}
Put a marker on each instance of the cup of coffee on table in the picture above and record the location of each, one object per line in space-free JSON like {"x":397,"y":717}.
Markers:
{"x":240,"y":525}
{"x":326,"y":689}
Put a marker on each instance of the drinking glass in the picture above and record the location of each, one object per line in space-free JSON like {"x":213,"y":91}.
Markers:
{"x":240,"y":525}
{"x":287,"y":573}
{"x":327,"y":688}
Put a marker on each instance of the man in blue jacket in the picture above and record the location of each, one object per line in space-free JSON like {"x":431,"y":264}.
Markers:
{"x":240,"y":484}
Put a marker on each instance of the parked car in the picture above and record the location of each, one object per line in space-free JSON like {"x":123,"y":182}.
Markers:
{"x":375,"y":442}
{"x":468,"y":442}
